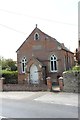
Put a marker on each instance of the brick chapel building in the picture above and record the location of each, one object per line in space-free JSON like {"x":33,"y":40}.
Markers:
{"x":41,"y":56}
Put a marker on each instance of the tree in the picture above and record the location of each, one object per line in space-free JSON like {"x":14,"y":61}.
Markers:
{"x":12,"y":64}
{"x":8,"y":64}
{"x":3,"y":62}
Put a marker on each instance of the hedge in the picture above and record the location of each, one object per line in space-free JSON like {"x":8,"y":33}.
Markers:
{"x":76,"y":68}
{"x":11,"y":77}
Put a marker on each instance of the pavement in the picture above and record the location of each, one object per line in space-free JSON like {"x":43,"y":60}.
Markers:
{"x":46,"y":97}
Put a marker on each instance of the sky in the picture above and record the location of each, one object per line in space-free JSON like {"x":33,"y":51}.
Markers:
{"x":18,"y":18}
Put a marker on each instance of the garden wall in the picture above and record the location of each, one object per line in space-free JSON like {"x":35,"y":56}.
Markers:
{"x":24,"y":87}
{"x":71,"y":81}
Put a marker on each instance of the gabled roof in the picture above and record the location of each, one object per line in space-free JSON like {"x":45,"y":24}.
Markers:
{"x":63,"y":47}
{"x":26,"y":39}
{"x":35,"y":59}
{"x":58,"y":43}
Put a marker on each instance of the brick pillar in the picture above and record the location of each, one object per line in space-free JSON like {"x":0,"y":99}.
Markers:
{"x":49,"y":83}
{"x":61,"y":83}
{"x":1,"y":84}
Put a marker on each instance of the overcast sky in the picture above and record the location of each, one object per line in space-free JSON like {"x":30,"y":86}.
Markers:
{"x":57,"y":18}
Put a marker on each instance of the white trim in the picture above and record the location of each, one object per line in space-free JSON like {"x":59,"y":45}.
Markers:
{"x":53,"y":63}
{"x":23,"y":61}
{"x":38,"y":36}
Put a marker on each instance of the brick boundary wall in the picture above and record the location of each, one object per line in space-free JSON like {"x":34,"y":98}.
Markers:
{"x":24,"y":87}
{"x":71,"y":82}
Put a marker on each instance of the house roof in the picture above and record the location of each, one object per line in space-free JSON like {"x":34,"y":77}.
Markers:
{"x":62,"y":46}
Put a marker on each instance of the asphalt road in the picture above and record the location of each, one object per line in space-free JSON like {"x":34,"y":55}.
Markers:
{"x":30,"y":108}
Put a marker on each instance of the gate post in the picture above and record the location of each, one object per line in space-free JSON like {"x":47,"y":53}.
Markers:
{"x":1,"y":84}
{"x":61,"y":83}
{"x":49,"y":83}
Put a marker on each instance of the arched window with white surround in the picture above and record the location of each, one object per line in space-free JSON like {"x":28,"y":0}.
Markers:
{"x":23,"y":65}
{"x":36,"y":36}
{"x":53,"y":63}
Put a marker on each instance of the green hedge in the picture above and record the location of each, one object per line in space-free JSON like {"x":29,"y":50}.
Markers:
{"x":11,"y":77}
{"x":76,"y":68}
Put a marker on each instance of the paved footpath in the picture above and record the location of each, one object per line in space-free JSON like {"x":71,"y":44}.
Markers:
{"x":47,"y":97}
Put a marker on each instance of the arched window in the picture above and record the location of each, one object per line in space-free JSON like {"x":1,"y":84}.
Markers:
{"x":53,"y":63}
{"x":36,"y":36}
{"x":23,"y":65}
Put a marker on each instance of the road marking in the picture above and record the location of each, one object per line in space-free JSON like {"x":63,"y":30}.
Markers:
{"x":70,"y":104}
{"x":59,"y":103}
{"x":2,"y":117}
{"x":6,"y":118}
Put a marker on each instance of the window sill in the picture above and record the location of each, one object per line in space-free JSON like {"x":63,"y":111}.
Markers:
{"x":22,"y":72}
{"x":53,"y":71}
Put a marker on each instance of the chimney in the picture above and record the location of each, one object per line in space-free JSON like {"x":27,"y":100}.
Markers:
{"x":62,"y":44}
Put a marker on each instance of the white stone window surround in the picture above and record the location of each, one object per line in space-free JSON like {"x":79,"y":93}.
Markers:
{"x":23,"y":64}
{"x":53,"y":63}
{"x":36,"y":36}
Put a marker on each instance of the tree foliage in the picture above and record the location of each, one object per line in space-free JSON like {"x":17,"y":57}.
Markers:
{"x":8,"y":64}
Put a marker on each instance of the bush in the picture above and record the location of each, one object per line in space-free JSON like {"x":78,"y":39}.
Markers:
{"x":76,"y":68}
{"x":10,"y":77}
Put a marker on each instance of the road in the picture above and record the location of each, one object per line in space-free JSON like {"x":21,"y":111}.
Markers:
{"x":29,"y":107}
